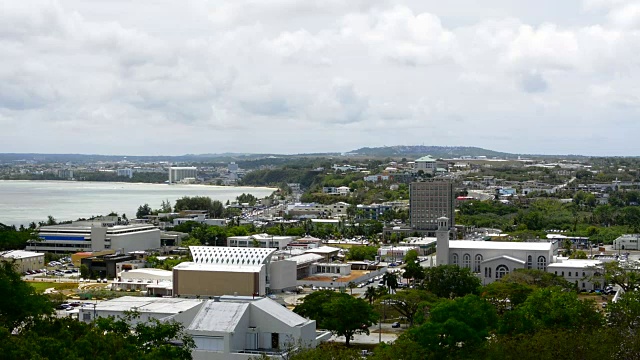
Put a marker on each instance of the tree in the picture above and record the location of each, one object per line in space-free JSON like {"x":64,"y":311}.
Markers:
{"x":408,"y":302}
{"x":351,"y":285}
{"x":390,"y":280}
{"x":348,"y":316}
{"x":450,"y":281}
{"x":20,"y":304}
{"x":165,"y":207}
{"x":551,"y":308}
{"x":456,"y":328}
{"x":340,"y":313}
{"x":505,"y":295}
{"x":106,"y":338}
{"x":84,"y":272}
{"x":143,"y":210}
{"x":625,"y":313}
{"x":371,"y":294}
{"x":624,"y":274}
{"x":214,"y":208}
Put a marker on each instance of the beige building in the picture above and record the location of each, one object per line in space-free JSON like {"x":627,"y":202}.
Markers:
{"x":218,"y":270}
{"x":24,"y":260}
{"x":430,"y":200}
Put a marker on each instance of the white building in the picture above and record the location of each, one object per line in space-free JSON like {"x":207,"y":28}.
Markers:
{"x":627,"y":242}
{"x":145,"y":279}
{"x":125,"y":172}
{"x":24,"y":260}
{"x":177,"y":174}
{"x":95,"y":236}
{"x":427,"y":164}
{"x":264,"y":241}
{"x":314,"y":209}
{"x":491,"y":260}
{"x":395,"y":253}
{"x":579,"y":272}
{"x":228,"y":327}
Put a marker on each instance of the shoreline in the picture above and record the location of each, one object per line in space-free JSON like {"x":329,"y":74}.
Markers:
{"x":141,"y":183}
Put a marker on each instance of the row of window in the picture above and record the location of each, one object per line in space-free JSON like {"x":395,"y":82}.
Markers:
{"x":577,"y":273}
{"x":466,"y":262}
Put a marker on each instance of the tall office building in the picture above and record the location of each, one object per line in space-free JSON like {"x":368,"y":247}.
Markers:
{"x":178,"y":173}
{"x":430,"y":200}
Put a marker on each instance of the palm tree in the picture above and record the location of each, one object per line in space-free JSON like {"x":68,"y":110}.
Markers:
{"x":371,"y":294}
{"x":391,"y":281}
{"x":351,"y":285}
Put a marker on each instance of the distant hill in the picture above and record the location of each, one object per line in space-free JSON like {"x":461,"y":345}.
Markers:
{"x":435,"y":151}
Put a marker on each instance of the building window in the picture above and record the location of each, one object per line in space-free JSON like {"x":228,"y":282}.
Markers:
{"x":529,"y":262}
{"x":455,"y":259}
{"x":583,"y":274}
{"x":466,"y":261}
{"x":569,"y":273}
{"x":542,"y":263}
{"x":476,"y":268}
{"x":501,"y":271}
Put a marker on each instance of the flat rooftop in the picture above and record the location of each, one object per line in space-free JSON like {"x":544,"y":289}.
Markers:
{"x":500,"y":245}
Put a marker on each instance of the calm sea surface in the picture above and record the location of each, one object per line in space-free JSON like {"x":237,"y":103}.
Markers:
{"x":22,"y":202}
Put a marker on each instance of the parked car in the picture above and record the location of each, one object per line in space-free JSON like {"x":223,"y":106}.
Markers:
{"x":395,"y":325}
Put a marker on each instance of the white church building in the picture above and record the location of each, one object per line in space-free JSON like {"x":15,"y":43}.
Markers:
{"x":491,"y":260}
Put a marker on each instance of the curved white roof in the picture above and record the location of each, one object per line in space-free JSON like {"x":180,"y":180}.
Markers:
{"x":230,"y":256}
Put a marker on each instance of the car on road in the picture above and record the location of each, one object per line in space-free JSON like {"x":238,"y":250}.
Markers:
{"x":395,"y":325}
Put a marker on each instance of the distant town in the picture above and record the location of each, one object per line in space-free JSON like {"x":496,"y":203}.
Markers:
{"x":466,"y":256}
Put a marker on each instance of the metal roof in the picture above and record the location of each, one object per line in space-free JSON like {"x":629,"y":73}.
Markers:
{"x":279,"y":312}
{"x":20,"y":254}
{"x":499,"y":245}
{"x":575,"y":263}
{"x":191,"y":266}
{"x":306,"y":258}
{"x":218,"y":316}
{"x":322,"y":250}
{"x":230,"y":256}
{"x":148,"y":304}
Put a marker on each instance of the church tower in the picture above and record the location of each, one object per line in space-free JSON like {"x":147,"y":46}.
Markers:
{"x":442,"y":241}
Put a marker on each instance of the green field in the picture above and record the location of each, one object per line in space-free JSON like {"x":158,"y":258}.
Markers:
{"x":42,"y":286}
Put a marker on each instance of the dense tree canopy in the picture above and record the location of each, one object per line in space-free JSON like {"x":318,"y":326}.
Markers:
{"x":340,"y":313}
{"x":450,"y":281}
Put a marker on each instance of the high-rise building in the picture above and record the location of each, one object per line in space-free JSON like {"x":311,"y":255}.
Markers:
{"x":178,"y":173}
{"x":430,"y":200}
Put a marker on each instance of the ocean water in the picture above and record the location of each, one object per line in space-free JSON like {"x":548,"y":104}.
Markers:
{"x":22,"y":202}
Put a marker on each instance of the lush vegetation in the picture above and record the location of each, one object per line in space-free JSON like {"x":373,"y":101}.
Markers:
{"x":29,"y":331}
{"x":528,"y":314}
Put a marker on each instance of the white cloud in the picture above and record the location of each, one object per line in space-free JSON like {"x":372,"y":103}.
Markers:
{"x":341,"y":73}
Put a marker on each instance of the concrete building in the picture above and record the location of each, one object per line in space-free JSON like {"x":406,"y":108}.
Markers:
{"x":578,"y":272}
{"x":491,"y":260}
{"x":627,"y":242}
{"x":96,"y":235}
{"x":155,"y":282}
{"x":395,"y":253}
{"x":312,"y":210}
{"x":427,"y":164}
{"x":104,"y":266}
{"x":24,"y":260}
{"x":177,"y":174}
{"x":263,"y":240}
{"x":125,"y":172}
{"x":218,"y":270}
{"x":428,"y":201}
{"x":227,"y":327}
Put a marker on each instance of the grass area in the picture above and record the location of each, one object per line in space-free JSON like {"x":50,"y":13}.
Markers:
{"x":42,"y":286}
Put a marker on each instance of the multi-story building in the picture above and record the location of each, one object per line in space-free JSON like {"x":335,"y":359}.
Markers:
{"x":24,"y":260}
{"x":260,"y":240}
{"x":125,"y":172}
{"x":179,"y":173}
{"x":428,"y":201}
{"x":96,"y":235}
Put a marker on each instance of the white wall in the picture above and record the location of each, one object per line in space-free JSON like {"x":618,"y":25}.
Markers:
{"x":282,"y":274}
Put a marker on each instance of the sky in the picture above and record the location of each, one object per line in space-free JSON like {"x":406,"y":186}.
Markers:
{"x":156,"y":77}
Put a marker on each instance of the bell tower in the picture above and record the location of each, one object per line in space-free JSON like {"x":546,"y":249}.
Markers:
{"x":442,"y":241}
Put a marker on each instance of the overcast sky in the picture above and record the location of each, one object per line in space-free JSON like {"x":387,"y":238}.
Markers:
{"x":145,"y":77}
